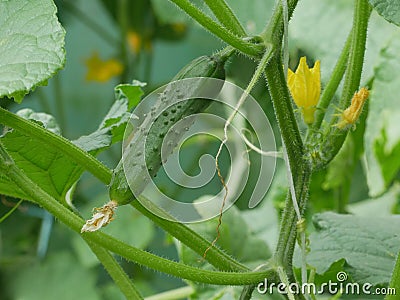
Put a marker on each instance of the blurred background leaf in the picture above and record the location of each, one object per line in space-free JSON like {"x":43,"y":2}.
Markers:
{"x":389,"y":9}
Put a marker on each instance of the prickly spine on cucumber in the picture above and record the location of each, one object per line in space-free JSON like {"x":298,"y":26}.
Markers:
{"x":204,"y":66}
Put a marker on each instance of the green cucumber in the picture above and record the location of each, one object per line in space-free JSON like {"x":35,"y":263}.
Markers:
{"x":204,"y":66}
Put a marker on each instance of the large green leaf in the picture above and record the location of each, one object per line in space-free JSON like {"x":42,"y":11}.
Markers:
{"x":389,"y":9}
{"x":31,"y":45}
{"x":46,"y":165}
{"x":368,"y":244}
{"x":382,"y":137}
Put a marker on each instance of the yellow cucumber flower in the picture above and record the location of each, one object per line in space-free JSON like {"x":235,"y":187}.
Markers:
{"x":305,"y":87}
{"x":351,"y":114}
{"x":134,"y":41}
{"x":102,"y":70}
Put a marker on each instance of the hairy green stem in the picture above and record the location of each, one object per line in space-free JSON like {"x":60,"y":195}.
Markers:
{"x":301,"y":170}
{"x":285,"y":280}
{"x":122,"y":15}
{"x":183,"y":233}
{"x":131,"y":253}
{"x":288,"y":230}
{"x":215,"y":256}
{"x":116,"y":272}
{"x":274,"y":29}
{"x":334,"y":137}
{"x":284,"y":112}
{"x":226,"y":16}
{"x":288,"y":127}
{"x":362,"y":12}
{"x":331,"y":87}
{"x":78,"y":155}
{"x":215,"y":28}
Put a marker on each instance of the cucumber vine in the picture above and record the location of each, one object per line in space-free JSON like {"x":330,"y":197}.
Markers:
{"x":304,"y":151}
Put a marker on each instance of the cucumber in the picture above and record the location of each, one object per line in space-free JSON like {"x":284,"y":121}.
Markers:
{"x":204,"y":66}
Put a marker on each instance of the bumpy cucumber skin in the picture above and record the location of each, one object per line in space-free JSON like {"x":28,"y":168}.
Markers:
{"x":204,"y":66}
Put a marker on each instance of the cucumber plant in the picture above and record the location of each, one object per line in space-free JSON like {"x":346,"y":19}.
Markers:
{"x":204,"y":66}
{"x":329,"y":144}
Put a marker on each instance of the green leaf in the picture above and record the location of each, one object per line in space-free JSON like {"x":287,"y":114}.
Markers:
{"x":389,"y":9}
{"x":368,"y":244}
{"x":382,"y":137}
{"x":45,"y":165}
{"x":58,"y":277}
{"x":111,"y":129}
{"x":31,"y":46}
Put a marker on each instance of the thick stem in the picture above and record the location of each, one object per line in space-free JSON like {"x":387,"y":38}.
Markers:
{"x":215,"y":256}
{"x":335,"y":137}
{"x":183,"y":233}
{"x":285,"y":280}
{"x":119,"y":276}
{"x":283,"y":108}
{"x":288,"y":231}
{"x":284,"y":113}
{"x":362,"y":12}
{"x":301,"y":170}
{"x":226,"y":16}
{"x":131,"y":253}
{"x":215,"y":28}
{"x":122,"y":15}
{"x":331,"y":87}
{"x":274,"y":30}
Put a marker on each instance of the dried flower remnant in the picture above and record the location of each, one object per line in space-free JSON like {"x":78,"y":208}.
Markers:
{"x":351,"y":114}
{"x":102,"y":216}
{"x":305,"y":87}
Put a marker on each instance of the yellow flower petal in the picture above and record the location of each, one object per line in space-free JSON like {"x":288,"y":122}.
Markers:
{"x":351,"y":114}
{"x":102,"y":70}
{"x":134,"y":41}
{"x":305,"y":87}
